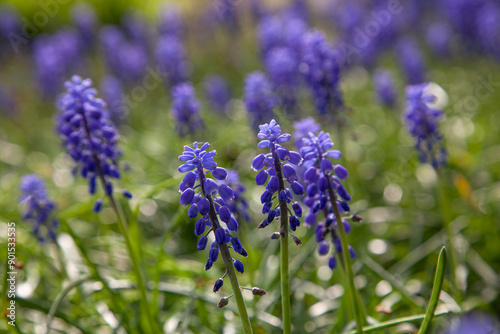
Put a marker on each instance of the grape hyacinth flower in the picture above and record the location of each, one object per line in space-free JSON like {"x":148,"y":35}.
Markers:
{"x":385,"y":88}
{"x":89,"y":135}
{"x":38,"y":207}
{"x":274,"y":168}
{"x":302,"y":128}
{"x":320,"y":67}
{"x":282,"y":65}
{"x":239,"y":206}
{"x":473,"y":322}
{"x":171,"y":58}
{"x":84,"y":18}
{"x":324,"y":183}
{"x":112,"y":92}
{"x":208,"y":201}
{"x":412,"y":61}
{"x":325,"y":193}
{"x":438,"y":38}
{"x":217,"y":92}
{"x":171,"y":21}
{"x":259,"y":98}
{"x":186,"y":109}
{"x":422,"y":123}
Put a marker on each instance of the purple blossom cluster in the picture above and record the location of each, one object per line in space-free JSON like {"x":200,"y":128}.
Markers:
{"x":324,"y":191}
{"x":88,"y":134}
{"x":275,"y":167}
{"x":217,"y":92}
{"x":210,"y":203}
{"x":38,"y":207}
{"x":385,"y":88}
{"x":422,"y":123}
{"x":186,"y":109}
{"x":259,"y":98}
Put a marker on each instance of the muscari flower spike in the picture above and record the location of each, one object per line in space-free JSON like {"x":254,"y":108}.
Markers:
{"x":320,"y":66}
{"x":171,"y":58}
{"x":321,"y":175}
{"x":217,"y":91}
{"x":422,"y":123}
{"x":186,"y":109}
{"x":209,"y":201}
{"x":385,"y":88}
{"x":89,"y":136}
{"x":239,"y":206}
{"x":275,"y":165}
{"x":38,"y":207}
{"x":259,"y":98}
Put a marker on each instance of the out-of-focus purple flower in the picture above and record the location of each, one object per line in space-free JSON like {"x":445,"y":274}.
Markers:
{"x":171,"y":21}
{"x":137,"y":30}
{"x":88,"y":134}
{"x":282,"y":66}
{"x":320,"y":67}
{"x":385,"y":88}
{"x":278,"y":31}
{"x":411,"y":60}
{"x":85,"y":20}
{"x":10,"y":26}
{"x":217,"y":92}
{"x":111,"y":39}
{"x":488,"y":28}
{"x":56,"y":56}
{"x":463,"y":16}
{"x":259,"y":98}
{"x":302,"y":128}
{"x":112,"y":92}
{"x":422,"y":122}
{"x":186,"y":109}
{"x":171,"y":58}
{"x":38,"y":207}
{"x":7,"y":101}
{"x":239,"y":205}
{"x":223,"y":12}
{"x":438,"y":38}
{"x":473,"y":322}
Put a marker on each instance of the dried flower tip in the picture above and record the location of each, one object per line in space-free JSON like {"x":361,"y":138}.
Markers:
{"x":223,"y":302}
{"x":357,"y":218}
{"x":275,"y":235}
{"x":297,"y":241}
{"x":258,"y":291}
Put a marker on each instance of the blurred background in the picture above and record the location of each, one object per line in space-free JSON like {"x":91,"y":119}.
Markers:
{"x":136,"y":51}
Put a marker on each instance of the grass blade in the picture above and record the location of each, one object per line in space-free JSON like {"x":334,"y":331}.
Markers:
{"x":436,"y":291}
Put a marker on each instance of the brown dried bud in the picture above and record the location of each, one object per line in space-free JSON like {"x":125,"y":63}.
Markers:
{"x":223,"y":302}
{"x":357,"y":218}
{"x":275,"y":235}
{"x":297,"y":241}
{"x":258,"y":291}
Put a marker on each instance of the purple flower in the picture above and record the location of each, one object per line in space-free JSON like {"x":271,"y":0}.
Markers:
{"x":85,"y":20}
{"x":112,"y":92}
{"x":422,"y":123}
{"x":239,"y":205}
{"x":488,"y":28}
{"x":55,"y":57}
{"x":277,"y":166}
{"x":209,"y":200}
{"x":38,"y":207}
{"x":412,"y":61}
{"x":438,"y":38}
{"x":282,"y":65}
{"x":259,"y":98}
{"x":171,"y":21}
{"x":186,"y":109}
{"x":324,"y":179}
{"x":302,"y":129}
{"x":88,"y":134}
{"x":320,"y":67}
{"x":385,"y":88}
{"x":474,"y":322}
{"x":217,"y":92}
{"x":171,"y":58}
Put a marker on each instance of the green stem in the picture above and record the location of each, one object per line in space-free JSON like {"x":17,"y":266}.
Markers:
{"x":284,"y":273}
{"x":436,"y":291}
{"x":347,"y":260}
{"x":446,"y":212}
{"x":135,"y":262}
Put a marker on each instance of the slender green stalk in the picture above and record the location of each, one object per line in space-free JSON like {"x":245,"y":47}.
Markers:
{"x":135,"y":262}
{"x":446,"y":212}
{"x":358,"y":316}
{"x":436,"y":291}
{"x":284,"y":273}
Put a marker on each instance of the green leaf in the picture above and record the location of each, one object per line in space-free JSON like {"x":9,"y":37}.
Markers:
{"x":436,"y":291}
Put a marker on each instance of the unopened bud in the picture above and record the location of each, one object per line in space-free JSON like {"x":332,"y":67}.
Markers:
{"x":223,"y":302}
{"x":275,"y":235}
{"x":258,"y":291}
